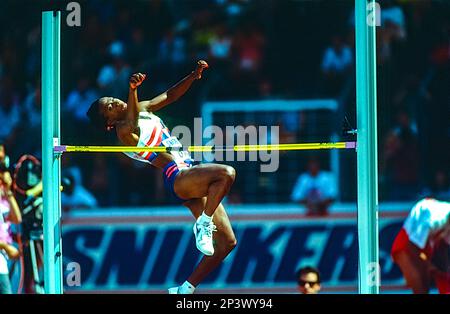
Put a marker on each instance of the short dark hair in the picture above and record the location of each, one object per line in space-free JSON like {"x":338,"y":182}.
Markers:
{"x":94,"y":115}
{"x":306,"y":270}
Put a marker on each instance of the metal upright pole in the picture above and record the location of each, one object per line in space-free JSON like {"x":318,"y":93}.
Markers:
{"x":51,"y":166}
{"x":366,"y":103}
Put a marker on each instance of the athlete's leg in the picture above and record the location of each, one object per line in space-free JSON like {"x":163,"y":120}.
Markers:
{"x":211,"y":180}
{"x":413,"y":268}
{"x":224,"y":240}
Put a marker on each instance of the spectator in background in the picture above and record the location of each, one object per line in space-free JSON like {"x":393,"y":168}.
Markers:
{"x":172,"y":55}
{"x":249,"y":47}
{"x":316,"y":189}
{"x":422,"y":245}
{"x":79,"y":100}
{"x":33,"y":57}
{"x":336,"y":64}
{"x":308,"y":280}
{"x":392,"y":31}
{"x":76,"y":195}
{"x":337,"y":58}
{"x":401,"y":163}
{"x":220,"y":46}
{"x":33,"y":109}
{"x":9,"y":110}
{"x":114,"y":76}
{"x":139,"y":49}
{"x":9,"y":213}
{"x":393,"y":28}
{"x":393,"y":20}
{"x":249,"y":50}
{"x":30,"y":136}
{"x":202,"y":33}
{"x":172,"y":49}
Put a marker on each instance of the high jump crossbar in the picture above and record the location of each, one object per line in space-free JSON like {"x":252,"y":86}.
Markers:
{"x":368,"y":269}
{"x":206,"y":148}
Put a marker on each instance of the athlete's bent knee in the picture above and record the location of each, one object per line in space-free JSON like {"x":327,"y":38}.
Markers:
{"x":228,"y":173}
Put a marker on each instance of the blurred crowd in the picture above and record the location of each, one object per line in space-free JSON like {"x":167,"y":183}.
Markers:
{"x":256,"y":50}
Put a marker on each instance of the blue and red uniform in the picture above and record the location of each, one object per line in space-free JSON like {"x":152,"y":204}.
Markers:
{"x":153,"y":133}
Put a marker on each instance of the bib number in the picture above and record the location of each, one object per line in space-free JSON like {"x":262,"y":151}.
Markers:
{"x":174,"y":142}
{"x":171,"y":142}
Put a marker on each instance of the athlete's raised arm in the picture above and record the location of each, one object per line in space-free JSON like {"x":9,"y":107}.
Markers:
{"x":175,"y":92}
{"x":133,"y":103}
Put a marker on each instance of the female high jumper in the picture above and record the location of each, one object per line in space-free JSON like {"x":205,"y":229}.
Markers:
{"x":201,"y":188}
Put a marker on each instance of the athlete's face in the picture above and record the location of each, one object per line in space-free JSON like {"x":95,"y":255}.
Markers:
{"x":113,"y":109}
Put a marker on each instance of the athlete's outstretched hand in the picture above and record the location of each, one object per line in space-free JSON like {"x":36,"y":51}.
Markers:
{"x":201,"y":65}
{"x":136,"y":80}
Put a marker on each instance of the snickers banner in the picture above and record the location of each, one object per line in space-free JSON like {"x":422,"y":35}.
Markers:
{"x":150,"y":250}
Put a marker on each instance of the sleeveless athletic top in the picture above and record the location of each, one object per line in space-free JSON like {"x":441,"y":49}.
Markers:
{"x":154,"y":133}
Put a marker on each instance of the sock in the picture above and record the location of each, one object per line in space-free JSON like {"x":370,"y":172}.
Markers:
{"x":186,"y":288}
{"x":204,"y":218}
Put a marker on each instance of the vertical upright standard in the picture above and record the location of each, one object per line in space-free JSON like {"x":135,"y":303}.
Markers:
{"x":366,"y":108}
{"x":51,"y":165}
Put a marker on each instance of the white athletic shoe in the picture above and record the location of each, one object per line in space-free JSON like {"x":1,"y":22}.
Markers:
{"x":173,"y":290}
{"x":204,"y":237}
